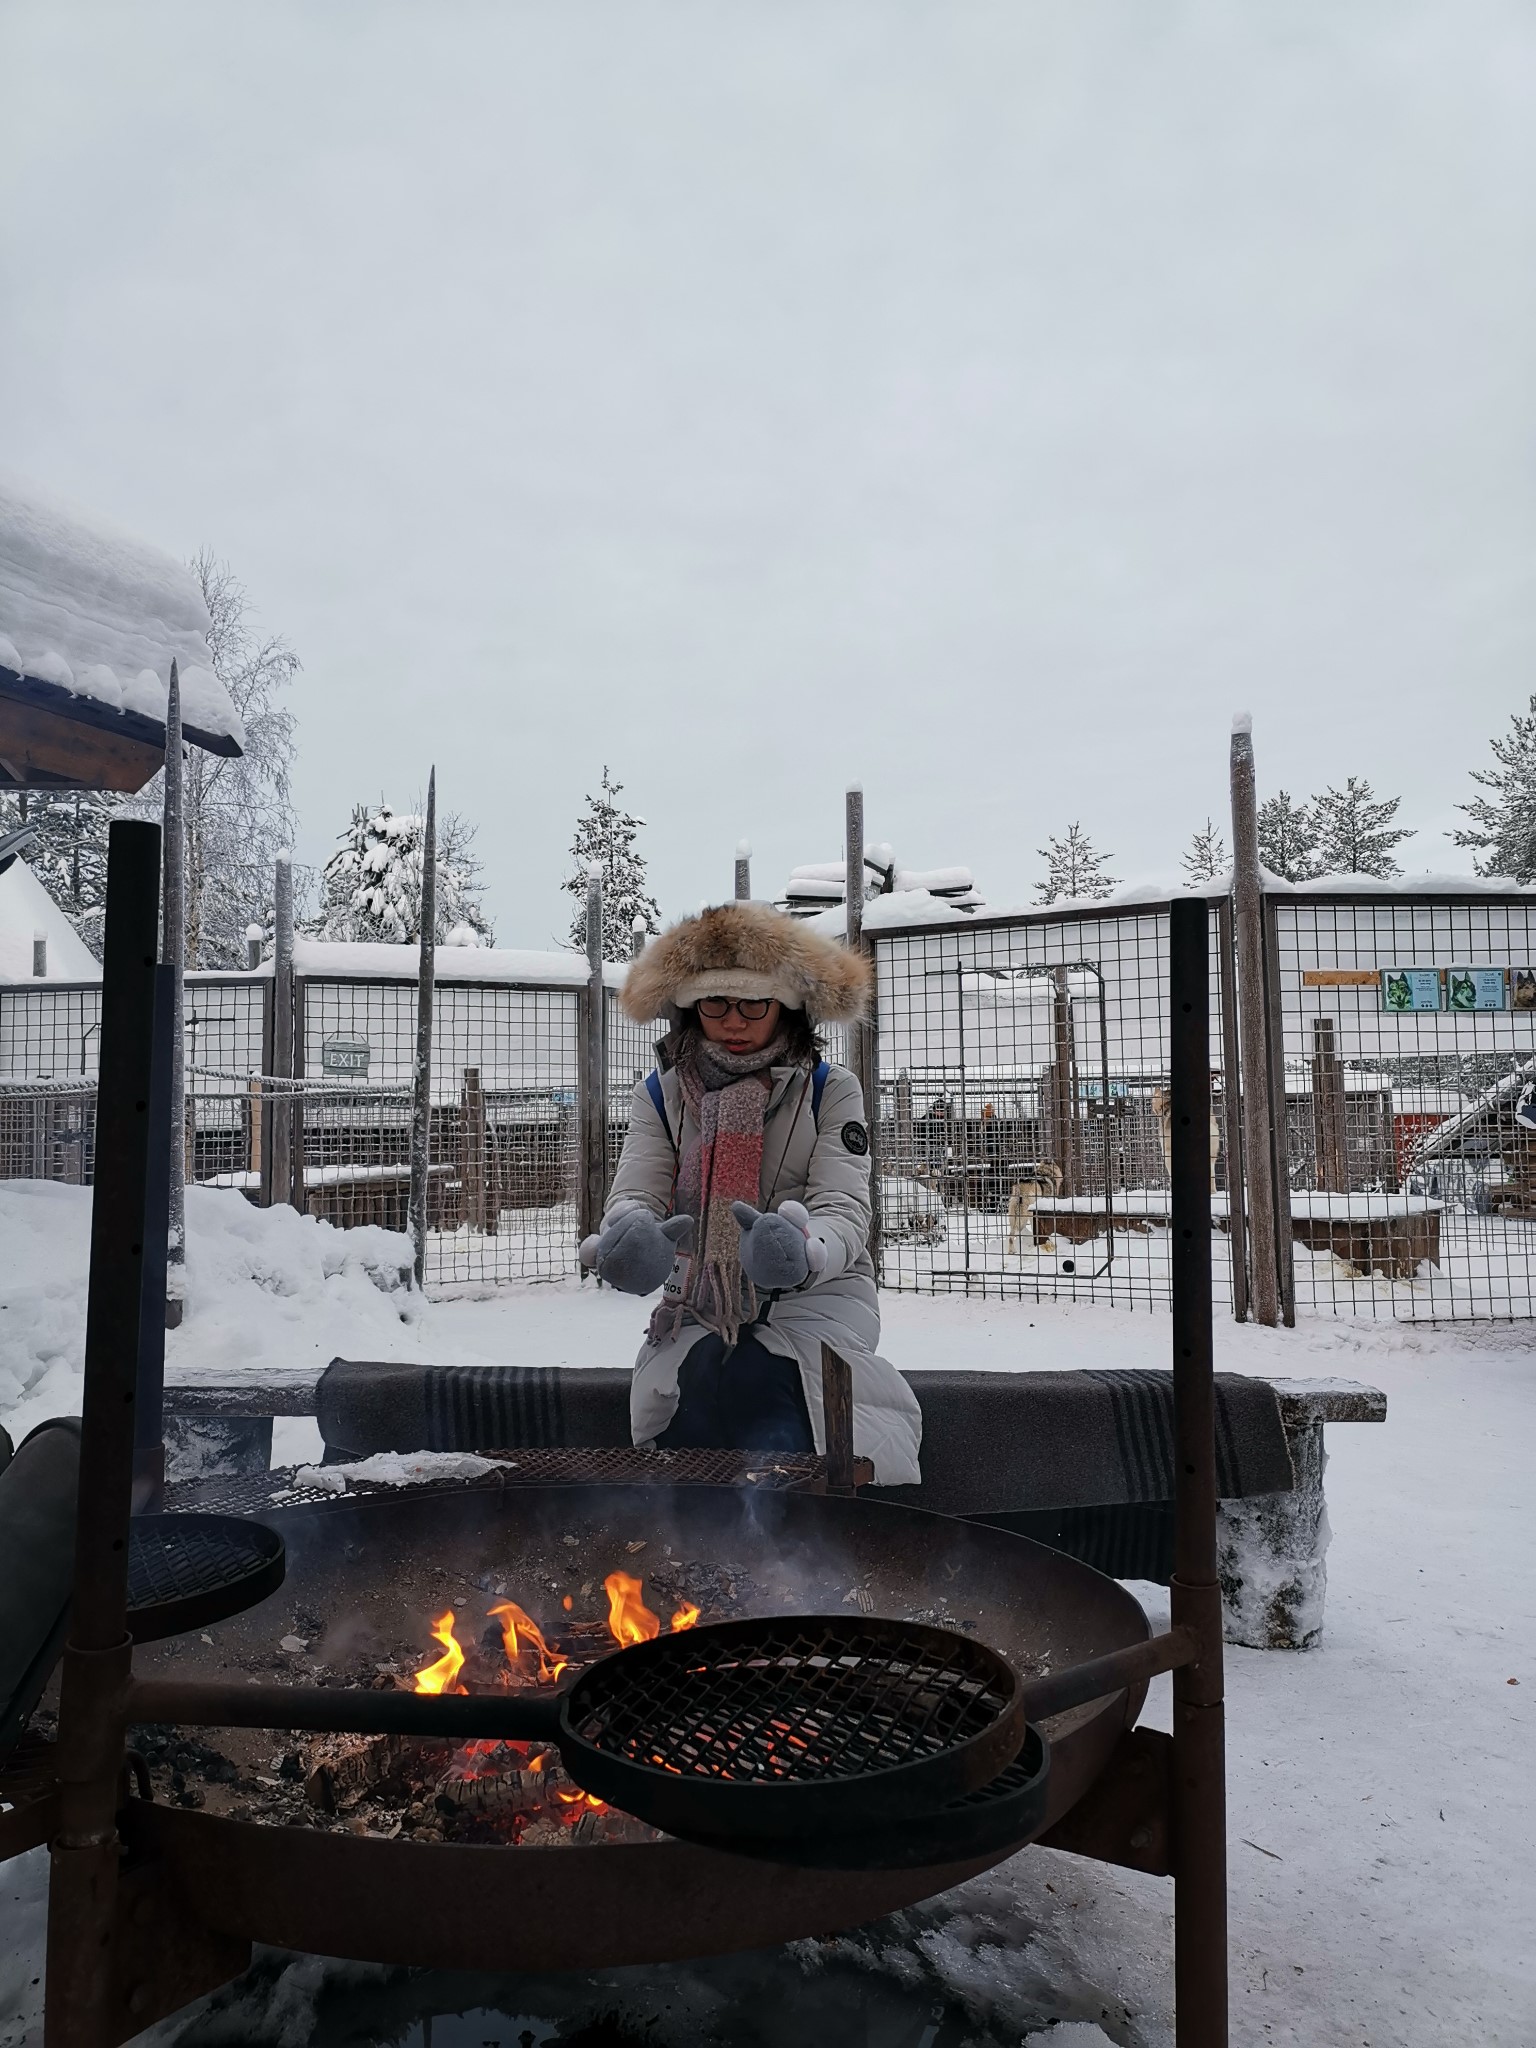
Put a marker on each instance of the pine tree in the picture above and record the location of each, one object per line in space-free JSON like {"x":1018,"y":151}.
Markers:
{"x":1288,"y":838}
{"x":1504,"y":824}
{"x":1074,"y":868}
{"x":1207,"y":855}
{"x":1355,"y":833}
{"x":371,"y":885}
{"x":607,"y":834}
{"x":69,"y":854}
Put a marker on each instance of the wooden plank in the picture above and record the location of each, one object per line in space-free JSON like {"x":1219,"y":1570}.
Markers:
{"x":70,"y":754}
{"x":1339,"y":977}
{"x":837,"y":1419}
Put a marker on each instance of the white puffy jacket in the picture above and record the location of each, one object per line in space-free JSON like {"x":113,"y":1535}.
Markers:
{"x":824,"y":1163}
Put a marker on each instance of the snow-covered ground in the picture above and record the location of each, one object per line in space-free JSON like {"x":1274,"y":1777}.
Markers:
{"x":1381,"y":1800}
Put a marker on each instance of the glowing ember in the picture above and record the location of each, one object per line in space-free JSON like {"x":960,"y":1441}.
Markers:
{"x":585,"y":1800}
{"x":685,"y":1616}
{"x":444,"y":1674}
{"x":527,"y":1653}
{"x":629,"y":1619}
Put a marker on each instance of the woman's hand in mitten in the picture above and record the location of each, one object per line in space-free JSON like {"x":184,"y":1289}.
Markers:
{"x":636,"y":1253}
{"x":778,"y":1251}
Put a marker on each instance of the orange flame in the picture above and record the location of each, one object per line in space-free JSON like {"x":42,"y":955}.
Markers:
{"x":443,"y":1675}
{"x":522,"y":1639}
{"x":629,"y":1619}
{"x":583,"y":1799}
{"x":685,"y":1616}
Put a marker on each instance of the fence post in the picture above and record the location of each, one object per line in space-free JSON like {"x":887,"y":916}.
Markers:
{"x":592,"y":1068}
{"x":1279,"y":1125}
{"x":1258,"y":1151}
{"x":1232,"y":1112}
{"x":639,"y":932}
{"x":743,"y":872}
{"x":472,"y":1139}
{"x":421,"y":1106}
{"x":277,"y":1169}
{"x":863,"y":1040}
{"x":173,"y":938}
{"x":1328,"y":1133}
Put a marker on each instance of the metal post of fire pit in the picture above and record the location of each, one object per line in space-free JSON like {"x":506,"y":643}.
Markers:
{"x":1199,"y":1754}
{"x":97,"y":1658}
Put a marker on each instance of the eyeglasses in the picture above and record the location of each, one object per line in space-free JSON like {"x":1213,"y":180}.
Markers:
{"x":752,"y":1011}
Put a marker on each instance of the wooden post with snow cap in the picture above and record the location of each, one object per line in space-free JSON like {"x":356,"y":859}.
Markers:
{"x":743,"y":871}
{"x":862,"y":1057}
{"x":173,"y":939}
{"x":592,"y":1072}
{"x":426,"y":976}
{"x":1253,"y":1038}
{"x":639,"y":932}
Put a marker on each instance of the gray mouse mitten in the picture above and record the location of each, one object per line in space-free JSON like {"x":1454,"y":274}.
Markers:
{"x":779,"y":1250}
{"x":636,"y":1253}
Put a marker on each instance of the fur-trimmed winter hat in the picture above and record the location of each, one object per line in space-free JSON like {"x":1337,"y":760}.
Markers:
{"x":747,"y":950}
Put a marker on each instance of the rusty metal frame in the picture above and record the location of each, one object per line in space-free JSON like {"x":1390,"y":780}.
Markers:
{"x":127,"y":1945}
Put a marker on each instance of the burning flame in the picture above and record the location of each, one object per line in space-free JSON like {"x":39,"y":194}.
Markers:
{"x":443,"y":1675}
{"x":629,"y":1619}
{"x":583,"y":1799}
{"x":685,"y":1616}
{"x":521,"y":1638}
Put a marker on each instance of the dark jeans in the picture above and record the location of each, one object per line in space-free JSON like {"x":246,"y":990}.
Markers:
{"x":749,"y":1401}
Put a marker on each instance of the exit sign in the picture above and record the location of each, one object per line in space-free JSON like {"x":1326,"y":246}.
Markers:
{"x":344,"y":1056}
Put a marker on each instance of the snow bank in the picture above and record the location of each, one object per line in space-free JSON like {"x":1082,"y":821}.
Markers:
{"x":26,"y":909}
{"x":98,"y":613}
{"x":332,"y":960}
{"x":265,"y":1287}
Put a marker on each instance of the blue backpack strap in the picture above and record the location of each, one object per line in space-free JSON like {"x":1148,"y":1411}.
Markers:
{"x":653,"y":1089}
{"x":818,"y":1084}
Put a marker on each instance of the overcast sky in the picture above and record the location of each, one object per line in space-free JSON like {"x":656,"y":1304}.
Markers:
{"x":981,"y":400}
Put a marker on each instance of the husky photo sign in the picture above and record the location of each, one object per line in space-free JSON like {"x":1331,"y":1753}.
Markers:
{"x":1411,"y":988}
{"x":1477,"y":988}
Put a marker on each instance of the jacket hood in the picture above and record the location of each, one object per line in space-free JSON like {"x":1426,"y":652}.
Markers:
{"x":747,"y":950}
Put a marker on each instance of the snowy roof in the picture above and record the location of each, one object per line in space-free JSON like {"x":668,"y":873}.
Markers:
{"x":90,"y":619}
{"x":329,"y":959}
{"x":27,"y":909}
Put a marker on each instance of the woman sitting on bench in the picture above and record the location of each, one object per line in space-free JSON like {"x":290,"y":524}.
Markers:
{"x":743,"y":1192}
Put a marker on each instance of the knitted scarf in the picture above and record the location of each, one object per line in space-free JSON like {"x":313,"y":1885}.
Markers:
{"x":721,"y":1164}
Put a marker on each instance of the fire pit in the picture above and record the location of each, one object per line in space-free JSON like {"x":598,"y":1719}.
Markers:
{"x":152,"y":1904}
{"x":335,"y":1850}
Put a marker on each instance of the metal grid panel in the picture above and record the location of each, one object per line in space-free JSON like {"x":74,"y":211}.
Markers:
{"x":1022,"y":1141}
{"x":1412,"y":1180}
{"x":502,"y":1148}
{"x":49,"y":1030}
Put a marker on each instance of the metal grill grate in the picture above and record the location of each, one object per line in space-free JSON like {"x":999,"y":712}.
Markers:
{"x":778,"y":1471}
{"x":784,"y":1701}
{"x":187,"y":1569}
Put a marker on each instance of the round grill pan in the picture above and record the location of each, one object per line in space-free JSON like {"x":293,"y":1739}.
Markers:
{"x":1009,"y":1809}
{"x":779,"y":1726}
{"x":185,"y":1571}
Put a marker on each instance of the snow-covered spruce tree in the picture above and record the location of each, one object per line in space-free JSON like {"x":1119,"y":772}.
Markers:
{"x":371,"y":885}
{"x":1073,"y":867}
{"x":606,"y":833}
{"x":1355,"y":833}
{"x":1207,"y":855}
{"x":69,"y":854}
{"x":239,"y":813}
{"x":1288,"y":838}
{"x":1503,"y":830}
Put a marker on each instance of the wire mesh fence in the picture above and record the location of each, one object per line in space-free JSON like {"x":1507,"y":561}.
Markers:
{"x":1409,"y":1037}
{"x":1021,"y":1130}
{"x":1022,"y":1138}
